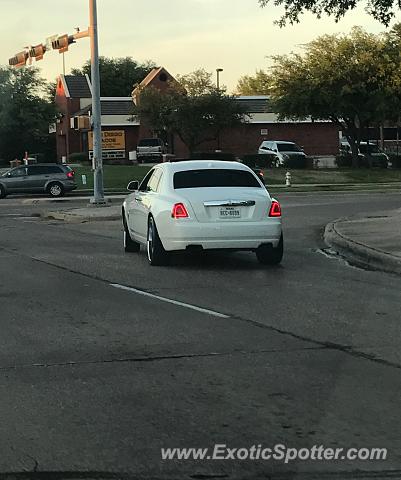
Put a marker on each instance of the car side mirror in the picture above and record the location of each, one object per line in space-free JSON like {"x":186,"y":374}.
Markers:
{"x":133,"y":186}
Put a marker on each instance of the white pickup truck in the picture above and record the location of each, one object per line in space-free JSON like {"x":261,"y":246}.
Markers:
{"x":150,"y":148}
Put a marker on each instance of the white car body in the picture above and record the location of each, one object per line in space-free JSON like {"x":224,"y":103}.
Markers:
{"x":228,"y":217}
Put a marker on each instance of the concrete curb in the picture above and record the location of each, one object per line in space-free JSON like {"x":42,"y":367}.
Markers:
{"x":68,"y":200}
{"x":360,"y":254}
{"x":74,"y":218}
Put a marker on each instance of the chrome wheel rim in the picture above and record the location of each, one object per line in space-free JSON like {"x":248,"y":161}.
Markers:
{"x":55,"y":190}
{"x":150,"y":242}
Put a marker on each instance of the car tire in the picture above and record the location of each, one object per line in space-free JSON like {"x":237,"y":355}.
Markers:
{"x":130,"y":245}
{"x":2,"y":192}
{"x":55,"y":189}
{"x":157,"y":256}
{"x":268,"y":255}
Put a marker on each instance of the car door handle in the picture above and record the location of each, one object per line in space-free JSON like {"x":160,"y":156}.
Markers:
{"x":138,"y":199}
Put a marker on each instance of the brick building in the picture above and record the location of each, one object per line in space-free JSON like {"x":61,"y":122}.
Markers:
{"x":122,"y":130}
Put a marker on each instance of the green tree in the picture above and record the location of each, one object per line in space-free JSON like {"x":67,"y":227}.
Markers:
{"x":348,"y":79}
{"x":259,"y":84}
{"x":118,"y":76}
{"x":381,"y":10}
{"x":26,"y":110}
{"x":197,"y":82}
{"x":194,"y":118}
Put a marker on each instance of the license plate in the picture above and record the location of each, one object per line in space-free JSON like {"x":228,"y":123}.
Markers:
{"x":230,"y":212}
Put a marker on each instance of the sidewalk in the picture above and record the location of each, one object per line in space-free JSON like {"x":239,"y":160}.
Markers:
{"x":373,"y":241}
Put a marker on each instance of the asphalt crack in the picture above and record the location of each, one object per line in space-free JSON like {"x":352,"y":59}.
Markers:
{"x":155,"y":358}
{"x":285,"y":475}
{"x":347,"y":349}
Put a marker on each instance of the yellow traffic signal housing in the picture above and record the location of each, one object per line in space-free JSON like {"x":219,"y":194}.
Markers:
{"x":18,"y":60}
{"x":61,"y":43}
{"x":37,"y":52}
{"x":83,"y":122}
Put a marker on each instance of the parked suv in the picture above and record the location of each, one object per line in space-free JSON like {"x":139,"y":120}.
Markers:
{"x":282,"y":150}
{"x":50,"y":178}
{"x":152,"y":148}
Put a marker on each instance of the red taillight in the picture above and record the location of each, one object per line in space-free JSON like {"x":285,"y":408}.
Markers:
{"x":179,"y":211}
{"x":275,"y":209}
{"x":70,"y":174}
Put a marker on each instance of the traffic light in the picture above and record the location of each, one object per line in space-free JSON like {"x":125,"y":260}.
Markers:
{"x":37,"y":52}
{"x":18,"y":60}
{"x":82,"y":122}
{"x":61,"y":43}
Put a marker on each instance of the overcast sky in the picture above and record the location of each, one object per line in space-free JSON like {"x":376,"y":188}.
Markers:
{"x":181,"y":35}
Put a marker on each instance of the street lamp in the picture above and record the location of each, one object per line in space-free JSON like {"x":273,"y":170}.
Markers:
{"x":218,"y":70}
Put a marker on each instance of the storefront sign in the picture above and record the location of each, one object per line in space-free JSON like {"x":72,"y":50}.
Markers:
{"x":111,"y":140}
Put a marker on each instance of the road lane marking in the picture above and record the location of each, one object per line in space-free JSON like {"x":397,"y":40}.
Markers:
{"x":169,"y":300}
{"x":11,"y":214}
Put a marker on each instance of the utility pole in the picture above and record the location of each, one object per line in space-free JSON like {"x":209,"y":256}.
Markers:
{"x":98,"y":190}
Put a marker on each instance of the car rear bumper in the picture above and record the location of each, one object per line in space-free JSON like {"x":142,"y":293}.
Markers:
{"x":231,"y":235}
{"x":149,"y":154}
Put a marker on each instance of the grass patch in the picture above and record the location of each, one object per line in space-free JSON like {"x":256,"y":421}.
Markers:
{"x":116,"y":177}
{"x":276,"y":176}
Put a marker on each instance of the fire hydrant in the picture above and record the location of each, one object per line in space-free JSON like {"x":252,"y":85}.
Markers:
{"x":288,"y":179}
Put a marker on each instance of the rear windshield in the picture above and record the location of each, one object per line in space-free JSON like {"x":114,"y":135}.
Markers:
{"x":288,"y":147}
{"x":214,"y":178}
{"x":149,"y":142}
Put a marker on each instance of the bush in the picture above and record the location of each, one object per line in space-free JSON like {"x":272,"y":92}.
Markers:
{"x":364,"y":161}
{"x":79,"y":157}
{"x":214,"y":156}
{"x":395,"y":160}
{"x":296,"y":162}
{"x":255,"y":160}
{"x":42,"y":158}
{"x":343,"y":160}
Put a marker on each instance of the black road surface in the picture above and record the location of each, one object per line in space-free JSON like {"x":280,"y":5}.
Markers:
{"x":96,"y":378}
